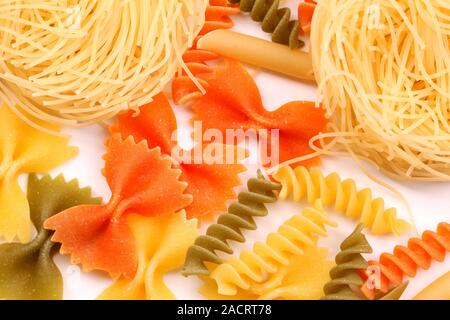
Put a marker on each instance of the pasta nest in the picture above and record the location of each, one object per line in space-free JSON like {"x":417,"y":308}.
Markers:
{"x":78,"y":62}
{"x":384,"y":72}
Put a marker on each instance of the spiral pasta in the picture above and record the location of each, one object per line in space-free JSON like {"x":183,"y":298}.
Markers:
{"x":274,"y":20}
{"x":254,"y":267}
{"x":228,"y":227}
{"x":312,"y":184}
{"x":344,"y":276}
{"x":394,"y":294}
{"x":406,"y":260}
{"x":302,"y":279}
{"x":189,"y":84}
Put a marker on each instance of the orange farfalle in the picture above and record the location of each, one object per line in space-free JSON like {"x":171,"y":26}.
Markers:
{"x":211,"y":185}
{"x":233,"y":101}
{"x":142,"y":182}
{"x":184,"y":90}
{"x":419,"y":254}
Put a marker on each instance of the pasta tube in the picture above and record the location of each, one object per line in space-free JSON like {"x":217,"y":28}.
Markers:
{"x":438,"y":290}
{"x":259,"y":52}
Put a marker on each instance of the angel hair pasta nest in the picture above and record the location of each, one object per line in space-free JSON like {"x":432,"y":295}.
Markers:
{"x":76,"y":62}
{"x":384,"y":71}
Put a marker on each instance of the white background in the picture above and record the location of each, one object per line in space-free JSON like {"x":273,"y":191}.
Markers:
{"x":430,"y":201}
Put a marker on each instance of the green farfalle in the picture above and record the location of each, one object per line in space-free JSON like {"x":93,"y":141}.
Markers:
{"x":27,"y":271}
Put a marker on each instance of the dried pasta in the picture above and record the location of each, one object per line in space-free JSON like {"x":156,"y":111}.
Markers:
{"x":302,"y":279}
{"x":344,"y":276}
{"x":291,"y":239}
{"x":395,"y":293}
{"x":161,"y":243}
{"x":419,"y":253}
{"x":260,"y":53}
{"x":302,"y":183}
{"x":383,"y":69}
{"x":79,"y":63}
{"x":211,"y":183}
{"x":438,"y":290}
{"x":283,"y":133}
{"x":228,"y":227}
{"x":24,"y":149}
{"x":184,"y":88}
{"x":142,"y":182}
{"x":27,"y":271}
{"x":274,"y":20}
{"x":305,"y":15}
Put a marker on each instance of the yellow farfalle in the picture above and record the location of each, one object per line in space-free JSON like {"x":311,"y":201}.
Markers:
{"x":162,"y":243}
{"x":301,"y":279}
{"x":209,"y":290}
{"x":311,"y":185}
{"x":291,"y":239}
{"x":24,"y":149}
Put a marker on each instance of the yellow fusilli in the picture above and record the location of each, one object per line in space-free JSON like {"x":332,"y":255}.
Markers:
{"x":304,"y":183}
{"x":254,"y":267}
